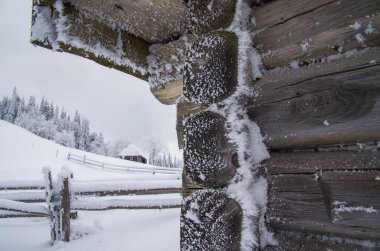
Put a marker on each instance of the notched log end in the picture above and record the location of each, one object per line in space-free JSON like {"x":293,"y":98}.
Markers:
{"x":210,"y":220}
{"x":210,"y":160}
{"x":210,"y":73}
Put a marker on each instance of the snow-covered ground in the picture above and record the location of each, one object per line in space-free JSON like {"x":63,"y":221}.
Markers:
{"x":22,"y":157}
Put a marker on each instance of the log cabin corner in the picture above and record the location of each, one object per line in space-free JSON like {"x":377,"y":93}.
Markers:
{"x":278,"y":109}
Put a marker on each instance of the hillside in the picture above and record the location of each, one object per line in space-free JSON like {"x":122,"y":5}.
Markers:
{"x":22,"y":156}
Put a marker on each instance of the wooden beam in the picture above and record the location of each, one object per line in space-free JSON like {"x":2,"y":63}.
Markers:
{"x":313,"y":162}
{"x":322,"y":104}
{"x":152,"y":21}
{"x":305,"y":203}
{"x":78,"y":33}
{"x":306,"y":242}
{"x":310,"y":30}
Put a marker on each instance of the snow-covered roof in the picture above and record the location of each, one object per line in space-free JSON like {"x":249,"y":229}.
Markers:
{"x":131,"y":150}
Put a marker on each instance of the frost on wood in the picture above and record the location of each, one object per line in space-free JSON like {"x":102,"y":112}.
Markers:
{"x":165,"y":67}
{"x":61,"y":27}
{"x":210,"y":220}
{"x":210,"y":160}
{"x":211,"y":68}
{"x":153,"y":21}
{"x":208,"y":15}
{"x":166,"y":62}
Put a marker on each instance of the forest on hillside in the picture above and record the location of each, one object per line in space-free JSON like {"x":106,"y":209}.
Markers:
{"x":52,"y":122}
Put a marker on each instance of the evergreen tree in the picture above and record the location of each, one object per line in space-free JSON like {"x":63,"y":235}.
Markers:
{"x":31,"y":104}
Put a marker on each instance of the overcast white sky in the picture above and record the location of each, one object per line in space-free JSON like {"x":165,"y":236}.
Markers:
{"x":118,"y":105}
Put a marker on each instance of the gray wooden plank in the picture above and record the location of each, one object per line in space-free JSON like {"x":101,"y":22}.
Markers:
{"x":312,"y":162}
{"x":301,"y":203}
{"x":277,"y":12}
{"x":83,"y":33}
{"x":322,"y":104}
{"x":308,"y":242}
{"x":145,"y":19}
{"x":316,"y":31}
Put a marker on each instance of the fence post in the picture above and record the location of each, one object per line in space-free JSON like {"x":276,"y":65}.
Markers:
{"x":84,"y":159}
{"x":49,"y":193}
{"x":65,"y":208}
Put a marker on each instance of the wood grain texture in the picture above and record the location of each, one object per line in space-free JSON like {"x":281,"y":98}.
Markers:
{"x":83,"y":29}
{"x":307,"y":242}
{"x":312,"y":162}
{"x":158,"y":21}
{"x":305,"y":31}
{"x":301,"y":203}
{"x":322,"y":104}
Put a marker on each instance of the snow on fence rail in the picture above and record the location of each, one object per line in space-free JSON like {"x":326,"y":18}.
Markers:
{"x":66,"y":195}
{"x":124,"y":168}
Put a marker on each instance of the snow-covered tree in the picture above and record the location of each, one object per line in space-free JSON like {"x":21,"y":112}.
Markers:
{"x":154,"y":147}
{"x":116,"y":147}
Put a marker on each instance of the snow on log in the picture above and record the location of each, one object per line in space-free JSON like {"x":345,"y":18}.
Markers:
{"x":126,"y":187}
{"x":206,"y":15}
{"x":209,"y":159}
{"x":166,"y":69}
{"x":210,"y":220}
{"x":211,"y":68}
{"x":23,"y":207}
{"x":307,"y":31}
{"x":38,"y":196}
{"x":62,"y":27}
{"x":107,"y":204}
{"x":21,"y":184}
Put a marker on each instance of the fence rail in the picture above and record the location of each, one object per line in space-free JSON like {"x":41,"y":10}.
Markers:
{"x":65,"y":195}
{"x":124,"y":168}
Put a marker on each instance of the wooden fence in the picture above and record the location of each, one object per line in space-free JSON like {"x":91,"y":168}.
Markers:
{"x":59,"y":199}
{"x":124,"y":168}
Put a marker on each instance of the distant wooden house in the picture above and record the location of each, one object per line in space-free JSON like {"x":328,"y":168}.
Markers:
{"x":132,"y":153}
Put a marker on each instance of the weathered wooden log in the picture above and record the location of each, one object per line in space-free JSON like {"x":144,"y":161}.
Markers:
{"x":65,"y":28}
{"x":310,"y":30}
{"x":322,"y":104}
{"x":166,"y":70}
{"x":211,"y":68}
{"x":210,"y":220}
{"x":65,"y":198}
{"x":154,"y":22}
{"x":306,"y":242}
{"x":344,"y":204}
{"x":209,"y":159}
{"x":312,"y":162}
{"x":206,"y":16}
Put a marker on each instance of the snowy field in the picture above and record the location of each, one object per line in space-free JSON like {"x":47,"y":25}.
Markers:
{"x":22,"y":157}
